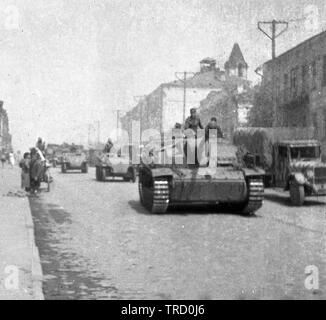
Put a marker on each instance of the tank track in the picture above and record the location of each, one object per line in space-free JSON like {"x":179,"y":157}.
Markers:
{"x":255,"y":197}
{"x":160,"y":196}
{"x":141,"y":194}
{"x":158,"y":201}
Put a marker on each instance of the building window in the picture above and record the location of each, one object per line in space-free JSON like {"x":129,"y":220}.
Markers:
{"x":313,"y":73}
{"x":294,"y":81}
{"x":305,"y":73}
{"x":285,"y":86}
{"x":324,"y":71}
{"x":240,"y":70}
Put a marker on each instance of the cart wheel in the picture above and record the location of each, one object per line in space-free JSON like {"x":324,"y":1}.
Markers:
{"x":48,"y":181}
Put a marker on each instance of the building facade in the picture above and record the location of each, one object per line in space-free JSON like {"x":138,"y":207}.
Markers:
{"x":164,"y":107}
{"x":296,"y":81}
{"x":5,"y":137}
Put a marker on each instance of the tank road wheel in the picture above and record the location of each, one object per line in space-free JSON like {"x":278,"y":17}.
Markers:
{"x":103,"y":174}
{"x":255,"y":196}
{"x":296,"y":194}
{"x":155,"y":195}
{"x":97,"y":173}
{"x":84,"y":168}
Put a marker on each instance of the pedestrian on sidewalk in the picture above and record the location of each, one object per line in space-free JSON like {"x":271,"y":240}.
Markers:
{"x":11,"y":160}
{"x":3,"y":160}
{"x":25,"y":175}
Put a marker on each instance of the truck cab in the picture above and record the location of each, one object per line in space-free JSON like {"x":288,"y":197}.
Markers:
{"x":298,"y":168}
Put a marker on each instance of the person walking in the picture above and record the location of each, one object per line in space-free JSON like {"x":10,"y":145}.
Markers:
{"x":25,"y":174}
{"x":11,"y":159}
{"x":3,"y":160}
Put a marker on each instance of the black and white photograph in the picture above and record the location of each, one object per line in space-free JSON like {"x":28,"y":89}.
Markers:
{"x":162,"y":150}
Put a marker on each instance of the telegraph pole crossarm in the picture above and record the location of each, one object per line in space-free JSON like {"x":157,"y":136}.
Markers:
{"x":184,"y":78}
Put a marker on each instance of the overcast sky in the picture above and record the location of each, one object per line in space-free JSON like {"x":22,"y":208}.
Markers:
{"x":71,"y":63}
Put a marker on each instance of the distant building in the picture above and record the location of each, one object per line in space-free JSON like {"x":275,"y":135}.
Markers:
{"x":5,"y":137}
{"x":299,"y":86}
{"x":236,"y":65}
{"x":163,"y":107}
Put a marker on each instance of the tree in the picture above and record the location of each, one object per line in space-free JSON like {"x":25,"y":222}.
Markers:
{"x":261,"y":114}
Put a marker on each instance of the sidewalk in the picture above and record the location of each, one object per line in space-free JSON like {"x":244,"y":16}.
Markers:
{"x":18,"y":252}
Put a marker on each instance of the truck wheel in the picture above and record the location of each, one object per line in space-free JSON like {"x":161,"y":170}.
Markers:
{"x":296,"y":194}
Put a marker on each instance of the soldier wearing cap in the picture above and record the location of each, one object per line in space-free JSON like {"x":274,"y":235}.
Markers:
{"x":216,"y":130}
{"x":193,"y":122}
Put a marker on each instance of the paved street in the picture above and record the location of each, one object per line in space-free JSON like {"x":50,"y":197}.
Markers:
{"x":97,"y":242}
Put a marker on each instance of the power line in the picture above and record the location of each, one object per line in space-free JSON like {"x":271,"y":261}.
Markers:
{"x":139,"y":99}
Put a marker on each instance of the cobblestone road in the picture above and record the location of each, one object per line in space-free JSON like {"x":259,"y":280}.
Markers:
{"x":97,"y":242}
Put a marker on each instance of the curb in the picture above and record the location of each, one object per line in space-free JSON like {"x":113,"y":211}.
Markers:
{"x":37,"y":274}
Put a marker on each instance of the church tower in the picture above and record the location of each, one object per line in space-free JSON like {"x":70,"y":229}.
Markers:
{"x":236,"y":65}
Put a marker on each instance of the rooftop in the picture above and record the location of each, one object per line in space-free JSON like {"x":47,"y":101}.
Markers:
{"x":301,"y":44}
{"x":236,"y":57}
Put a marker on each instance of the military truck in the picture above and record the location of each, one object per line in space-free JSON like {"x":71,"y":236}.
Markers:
{"x":74,"y":161}
{"x":292,"y":164}
{"x":222,"y":181}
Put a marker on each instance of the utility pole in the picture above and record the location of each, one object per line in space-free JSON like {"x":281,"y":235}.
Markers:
{"x":89,"y":135}
{"x":98,"y":132}
{"x":139,"y":99}
{"x":273,"y":36}
{"x":118,"y":119}
{"x":183,"y":76}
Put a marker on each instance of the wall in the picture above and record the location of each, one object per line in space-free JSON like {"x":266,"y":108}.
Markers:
{"x":306,"y":105}
{"x":173,"y":103}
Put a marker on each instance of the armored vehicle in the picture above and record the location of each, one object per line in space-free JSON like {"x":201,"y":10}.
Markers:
{"x":222,"y":181}
{"x":74,"y":161}
{"x":294,"y":165}
{"x":116,"y":164}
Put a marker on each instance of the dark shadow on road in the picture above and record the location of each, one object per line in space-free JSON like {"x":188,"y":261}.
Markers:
{"x":113,"y":181}
{"x":191,"y":210}
{"x":72,"y":172}
{"x":283,"y":200}
{"x":67,"y":274}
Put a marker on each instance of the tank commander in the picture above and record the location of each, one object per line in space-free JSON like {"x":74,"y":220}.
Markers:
{"x":193,"y":122}
{"x":216,"y":130}
{"x":108,"y":146}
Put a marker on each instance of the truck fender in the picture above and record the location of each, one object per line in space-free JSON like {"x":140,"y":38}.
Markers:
{"x":162,"y":172}
{"x":298,"y":178}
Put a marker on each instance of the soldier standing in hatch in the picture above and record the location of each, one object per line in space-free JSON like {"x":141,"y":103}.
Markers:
{"x":212,"y":130}
{"x":193,"y":122}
